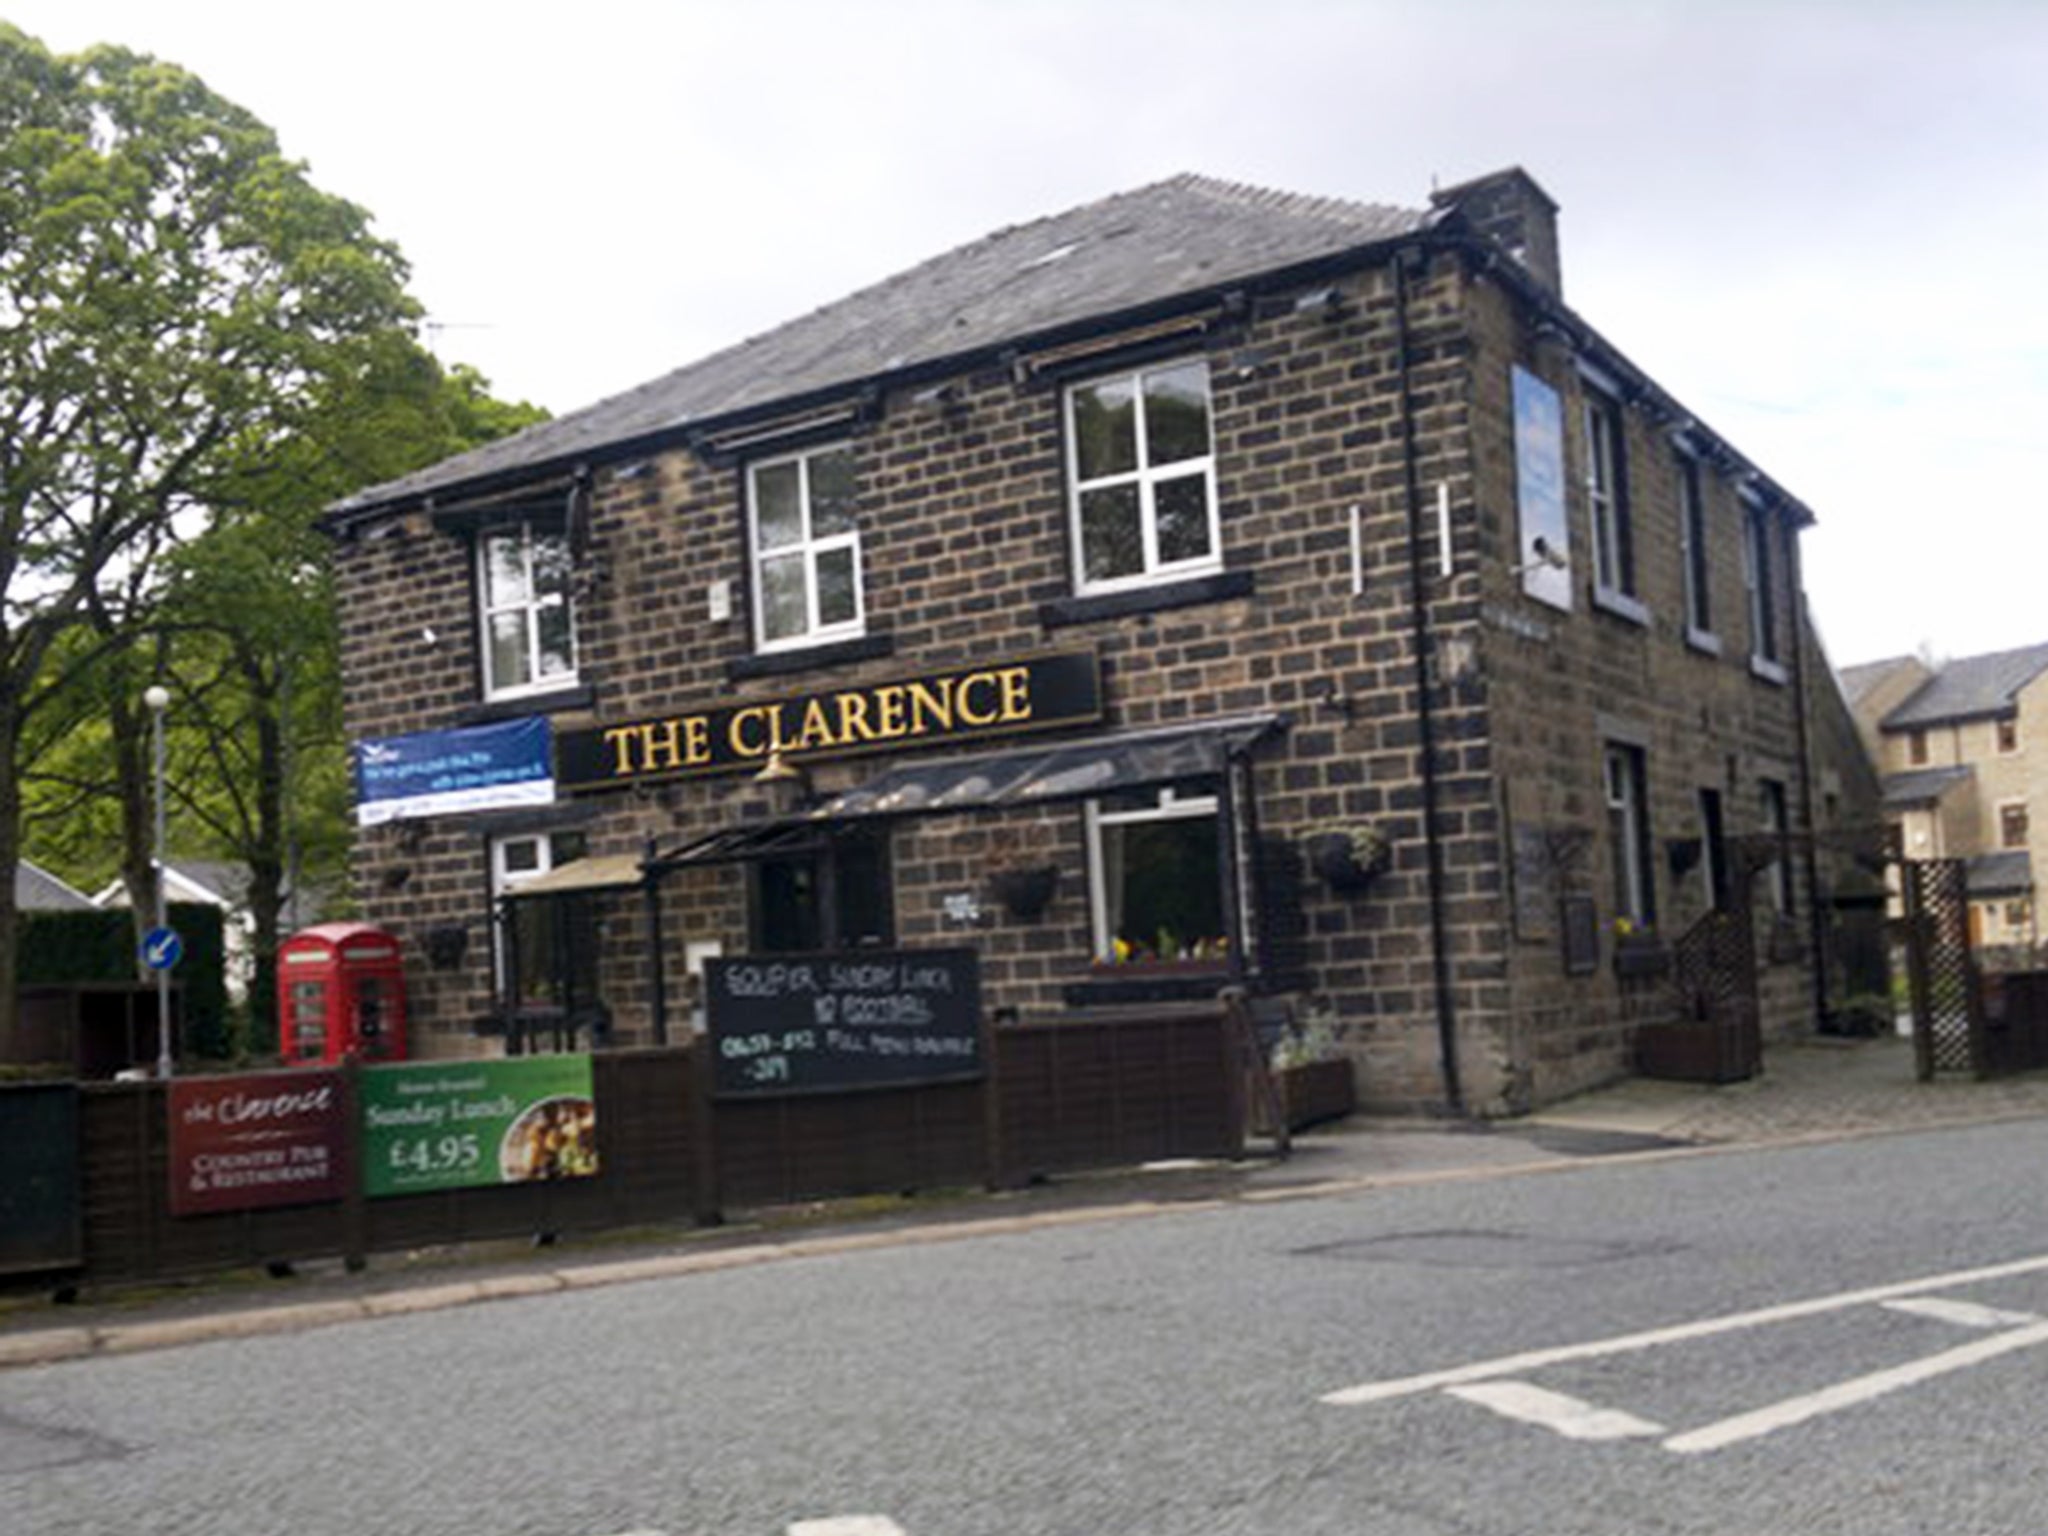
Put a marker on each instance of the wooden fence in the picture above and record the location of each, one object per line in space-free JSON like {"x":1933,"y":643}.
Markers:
{"x":2015,"y":1030}
{"x":1058,"y":1097}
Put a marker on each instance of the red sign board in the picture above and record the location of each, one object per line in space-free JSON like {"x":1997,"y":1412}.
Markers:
{"x":255,"y":1139}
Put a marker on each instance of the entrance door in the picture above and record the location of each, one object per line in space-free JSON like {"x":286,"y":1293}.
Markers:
{"x":836,"y":897}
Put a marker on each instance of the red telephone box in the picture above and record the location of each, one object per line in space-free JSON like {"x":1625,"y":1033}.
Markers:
{"x":340,"y":993}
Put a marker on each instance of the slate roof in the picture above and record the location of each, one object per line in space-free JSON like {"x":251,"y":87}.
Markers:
{"x":1919,"y":785}
{"x":1970,"y":688}
{"x":1172,"y":239}
{"x":2009,"y":872}
{"x":1859,"y":679}
{"x":37,"y":890}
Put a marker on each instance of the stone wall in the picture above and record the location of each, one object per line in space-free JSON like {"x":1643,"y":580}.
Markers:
{"x":964,"y":549}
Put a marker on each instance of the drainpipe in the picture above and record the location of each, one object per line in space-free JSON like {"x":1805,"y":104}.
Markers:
{"x":1425,"y":718}
{"x":1801,"y":703}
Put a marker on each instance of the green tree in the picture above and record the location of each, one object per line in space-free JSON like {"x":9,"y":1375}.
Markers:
{"x":172,"y":290}
{"x":248,"y":642}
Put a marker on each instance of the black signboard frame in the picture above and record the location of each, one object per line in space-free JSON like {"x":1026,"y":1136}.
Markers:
{"x":41,"y":1212}
{"x":844,"y":1021}
{"x":959,"y":706}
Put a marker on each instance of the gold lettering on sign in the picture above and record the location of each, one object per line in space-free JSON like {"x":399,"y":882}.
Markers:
{"x":934,"y":707}
{"x":817,"y":733}
{"x":619,"y":739}
{"x":853,"y":718}
{"x":748,"y":733}
{"x":1016,"y":683}
{"x":930,"y":709}
{"x":681,"y":742}
{"x":889,"y":710}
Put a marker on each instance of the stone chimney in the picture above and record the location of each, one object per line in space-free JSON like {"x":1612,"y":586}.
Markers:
{"x":1516,"y":214}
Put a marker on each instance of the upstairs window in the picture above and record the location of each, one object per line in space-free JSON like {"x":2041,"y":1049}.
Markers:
{"x":529,"y":642}
{"x":2012,"y":824}
{"x":1916,"y":748}
{"x":1614,"y":560}
{"x":1761,"y":570}
{"x":1142,"y":477}
{"x":1692,"y":521}
{"x":2008,"y":734}
{"x":805,"y":550}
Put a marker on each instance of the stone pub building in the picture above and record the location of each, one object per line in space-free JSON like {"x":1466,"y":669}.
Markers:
{"x":1207,"y":585}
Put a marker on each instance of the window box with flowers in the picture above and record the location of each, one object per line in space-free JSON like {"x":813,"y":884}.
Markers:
{"x":1638,"y":951}
{"x":1347,"y":857}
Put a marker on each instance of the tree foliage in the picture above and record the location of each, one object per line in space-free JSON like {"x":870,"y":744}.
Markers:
{"x":197,"y":348}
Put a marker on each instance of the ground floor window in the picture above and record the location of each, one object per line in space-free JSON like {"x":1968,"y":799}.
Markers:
{"x":1714,"y":850}
{"x":1628,"y":829}
{"x":1777,"y":829}
{"x":1156,"y":883}
{"x":835,"y":896}
{"x":546,"y":948}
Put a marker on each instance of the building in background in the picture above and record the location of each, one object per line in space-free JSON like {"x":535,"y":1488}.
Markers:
{"x":223,"y":884}
{"x":37,"y":890}
{"x":1963,"y":746}
{"x":1208,"y":585}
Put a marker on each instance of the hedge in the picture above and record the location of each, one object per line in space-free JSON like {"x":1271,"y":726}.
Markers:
{"x":64,"y":948}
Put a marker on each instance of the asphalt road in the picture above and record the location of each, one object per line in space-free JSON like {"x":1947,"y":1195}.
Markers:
{"x":1806,"y":1340}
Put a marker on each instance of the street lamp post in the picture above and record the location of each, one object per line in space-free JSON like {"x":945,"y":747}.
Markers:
{"x":158,"y":698}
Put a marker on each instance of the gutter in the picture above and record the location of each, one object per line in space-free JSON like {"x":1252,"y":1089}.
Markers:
{"x":1816,"y":922}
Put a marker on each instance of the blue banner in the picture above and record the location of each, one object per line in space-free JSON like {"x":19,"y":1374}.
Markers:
{"x":432,"y":773}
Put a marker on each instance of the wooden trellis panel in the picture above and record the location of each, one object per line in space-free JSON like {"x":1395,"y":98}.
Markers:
{"x":1948,"y":1022}
{"x":1713,"y":971}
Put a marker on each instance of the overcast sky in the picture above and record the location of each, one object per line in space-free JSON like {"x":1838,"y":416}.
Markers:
{"x":1820,"y":224}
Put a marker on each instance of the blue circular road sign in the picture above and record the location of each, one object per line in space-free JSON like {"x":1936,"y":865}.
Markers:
{"x":162,"y":948}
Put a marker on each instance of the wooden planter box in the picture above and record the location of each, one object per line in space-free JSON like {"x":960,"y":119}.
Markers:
{"x":1693,"y":1051}
{"x":1312,"y":1093}
{"x":1639,"y":959}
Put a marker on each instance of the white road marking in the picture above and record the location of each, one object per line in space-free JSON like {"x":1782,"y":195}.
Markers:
{"x":1846,"y":1394}
{"x":848,"y":1525}
{"x":1568,"y":1416}
{"x":1679,"y":1333}
{"x":1964,"y":1314}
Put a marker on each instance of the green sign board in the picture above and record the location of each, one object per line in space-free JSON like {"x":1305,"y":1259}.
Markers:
{"x":458,"y":1124}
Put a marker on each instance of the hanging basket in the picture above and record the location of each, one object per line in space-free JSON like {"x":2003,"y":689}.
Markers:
{"x":446,"y":945}
{"x":1347,"y":860}
{"x":1025,"y":893}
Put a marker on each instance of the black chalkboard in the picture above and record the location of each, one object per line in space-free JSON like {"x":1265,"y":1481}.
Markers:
{"x":824,"y":1023}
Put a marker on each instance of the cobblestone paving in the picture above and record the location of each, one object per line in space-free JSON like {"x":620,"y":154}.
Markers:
{"x":1812,"y":1088}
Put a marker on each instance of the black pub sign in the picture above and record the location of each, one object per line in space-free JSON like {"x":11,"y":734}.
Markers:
{"x":966,"y":703}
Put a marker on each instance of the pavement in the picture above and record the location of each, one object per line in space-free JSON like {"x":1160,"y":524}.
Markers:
{"x":1822,"y":1089}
